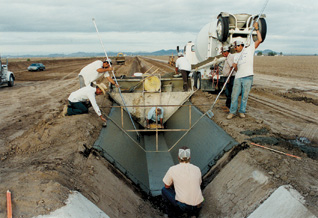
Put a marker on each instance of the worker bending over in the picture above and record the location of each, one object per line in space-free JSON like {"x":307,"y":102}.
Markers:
{"x":155,"y":115}
{"x":182,"y":192}
{"x":93,"y":71}
{"x":77,"y":101}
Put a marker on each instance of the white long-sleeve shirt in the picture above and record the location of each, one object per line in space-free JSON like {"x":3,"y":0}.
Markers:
{"x":83,"y":94}
{"x":90,"y":74}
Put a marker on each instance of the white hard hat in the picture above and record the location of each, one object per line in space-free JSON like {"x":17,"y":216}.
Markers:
{"x":180,"y":54}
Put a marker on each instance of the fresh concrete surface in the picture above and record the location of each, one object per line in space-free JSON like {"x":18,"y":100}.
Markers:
{"x":77,"y":206}
{"x":285,"y":202}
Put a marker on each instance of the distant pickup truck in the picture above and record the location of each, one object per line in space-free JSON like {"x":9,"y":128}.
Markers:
{"x":120,"y":59}
{"x":6,"y":76}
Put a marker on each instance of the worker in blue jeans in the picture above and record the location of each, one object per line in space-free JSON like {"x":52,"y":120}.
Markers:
{"x":243,"y":64}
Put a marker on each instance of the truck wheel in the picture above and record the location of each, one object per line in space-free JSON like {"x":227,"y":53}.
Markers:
{"x":222,"y":29}
{"x":11,"y":81}
{"x":262,"y":28}
{"x":197,"y":80}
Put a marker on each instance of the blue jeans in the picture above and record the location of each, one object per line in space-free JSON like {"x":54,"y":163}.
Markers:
{"x":241,"y":86}
{"x":177,"y":207}
{"x":76,"y":108}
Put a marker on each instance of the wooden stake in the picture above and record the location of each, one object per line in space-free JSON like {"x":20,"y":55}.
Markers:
{"x":280,"y":152}
{"x":9,"y":205}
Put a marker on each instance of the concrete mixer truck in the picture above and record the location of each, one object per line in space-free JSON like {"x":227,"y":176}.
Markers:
{"x":205,"y":54}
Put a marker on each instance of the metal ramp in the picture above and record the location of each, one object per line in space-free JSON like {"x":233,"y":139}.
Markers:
{"x":145,"y":162}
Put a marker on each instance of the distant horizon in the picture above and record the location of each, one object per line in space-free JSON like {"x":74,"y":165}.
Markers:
{"x":162,"y":52}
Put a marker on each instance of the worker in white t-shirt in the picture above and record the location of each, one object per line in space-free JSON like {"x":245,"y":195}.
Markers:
{"x":243,"y":64}
{"x":182,"y":192}
{"x":183,"y":65}
{"x":93,"y":71}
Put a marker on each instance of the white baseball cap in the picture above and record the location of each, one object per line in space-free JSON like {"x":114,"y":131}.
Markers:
{"x":238,"y":42}
{"x":225,"y":48}
{"x":184,"y":154}
{"x":109,"y":61}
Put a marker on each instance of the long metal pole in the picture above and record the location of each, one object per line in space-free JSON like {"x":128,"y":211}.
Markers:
{"x":124,"y":103}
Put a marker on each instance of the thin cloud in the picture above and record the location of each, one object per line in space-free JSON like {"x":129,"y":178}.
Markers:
{"x":144,"y":25}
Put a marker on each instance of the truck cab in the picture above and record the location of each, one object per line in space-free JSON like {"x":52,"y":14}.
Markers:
{"x":6,"y":77}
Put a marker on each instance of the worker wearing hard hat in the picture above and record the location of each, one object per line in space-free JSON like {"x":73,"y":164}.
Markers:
{"x":93,"y":71}
{"x":182,"y":192}
{"x":77,"y":100}
{"x":155,"y":114}
{"x":183,"y":65}
{"x":227,"y":69}
{"x":243,"y":63}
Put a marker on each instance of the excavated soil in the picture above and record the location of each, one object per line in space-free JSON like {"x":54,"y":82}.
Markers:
{"x":44,"y":155}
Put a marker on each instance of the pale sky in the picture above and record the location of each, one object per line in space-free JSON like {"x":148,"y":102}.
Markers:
{"x":65,"y":26}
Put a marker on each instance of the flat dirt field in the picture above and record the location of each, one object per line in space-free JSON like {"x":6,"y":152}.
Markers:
{"x":44,"y":156}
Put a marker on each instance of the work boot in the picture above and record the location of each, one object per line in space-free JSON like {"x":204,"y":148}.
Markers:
{"x":230,"y":116}
{"x":64,"y":113}
{"x":185,"y":87}
{"x":225,"y":109}
{"x":242,"y":115}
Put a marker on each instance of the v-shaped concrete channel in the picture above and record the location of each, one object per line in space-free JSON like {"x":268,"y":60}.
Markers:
{"x":145,"y":165}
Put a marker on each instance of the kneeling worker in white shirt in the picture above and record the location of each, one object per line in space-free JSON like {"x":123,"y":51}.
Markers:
{"x":77,"y":100}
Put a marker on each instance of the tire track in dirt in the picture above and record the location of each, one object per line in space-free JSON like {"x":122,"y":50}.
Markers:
{"x":283,"y":109}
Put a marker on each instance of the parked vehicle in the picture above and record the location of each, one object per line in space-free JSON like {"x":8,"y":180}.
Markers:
{"x":120,"y":59}
{"x":205,"y":54}
{"x":6,"y":77}
{"x":36,"y":67}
